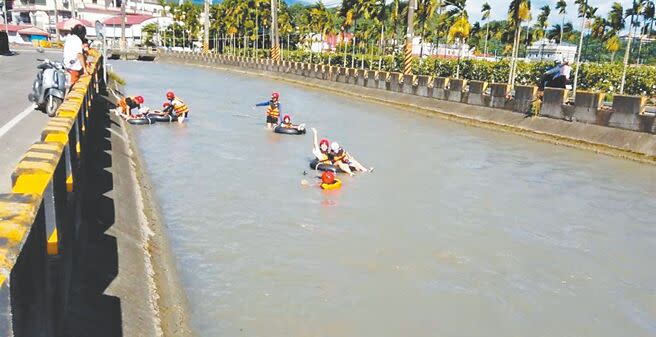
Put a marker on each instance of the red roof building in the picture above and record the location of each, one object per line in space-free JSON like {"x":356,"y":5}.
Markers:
{"x":129,"y":20}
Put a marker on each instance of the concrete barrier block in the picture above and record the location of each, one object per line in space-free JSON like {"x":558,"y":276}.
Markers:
{"x":331,"y":73}
{"x":299,"y":69}
{"x":440,"y":85}
{"x":456,"y":89}
{"x":647,"y":122}
{"x":424,"y":86}
{"x":586,"y":106}
{"x":408,"y":86}
{"x":352,"y":76}
{"x":476,"y":94}
{"x":524,"y":97}
{"x":395,"y":82}
{"x":342,"y":76}
{"x":372,"y":82}
{"x":498,"y":95}
{"x":383,"y":80}
{"x":362,"y":77}
{"x":627,"y":111}
{"x":553,"y":100}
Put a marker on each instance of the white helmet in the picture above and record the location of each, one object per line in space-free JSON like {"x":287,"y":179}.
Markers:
{"x":334,"y":147}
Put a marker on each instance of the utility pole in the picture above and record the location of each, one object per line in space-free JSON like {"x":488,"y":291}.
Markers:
{"x":627,"y":53}
{"x":123,"y":42}
{"x":407,"y":52}
{"x":275,"y":45}
{"x":56,"y":20}
{"x":206,"y":40}
{"x":578,"y":52}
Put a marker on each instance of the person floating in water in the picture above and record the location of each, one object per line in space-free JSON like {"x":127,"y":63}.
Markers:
{"x":273,"y":110}
{"x":345,"y":161}
{"x":287,"y":123}
{"x":321,"y":150}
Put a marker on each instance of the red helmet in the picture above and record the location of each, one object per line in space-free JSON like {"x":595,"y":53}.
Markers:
{"x":170,"y":95}
{"x":328,"y":177}
{"x":166,"y":105}
{"x":275,"y":95}
{"x":324,"y":141}
{"x":139,"y":99}
{"x":285,"y":117}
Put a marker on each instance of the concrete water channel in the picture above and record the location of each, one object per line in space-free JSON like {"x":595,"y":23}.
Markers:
{"x":460,"y":231}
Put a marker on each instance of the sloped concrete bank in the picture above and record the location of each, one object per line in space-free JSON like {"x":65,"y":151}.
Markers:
{"x":153,"y":302}
{"x":616,"y":142}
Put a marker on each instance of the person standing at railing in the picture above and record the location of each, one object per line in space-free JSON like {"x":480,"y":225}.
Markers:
{"x":74,"y":61}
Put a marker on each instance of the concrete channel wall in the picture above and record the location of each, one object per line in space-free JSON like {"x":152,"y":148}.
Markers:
{"x":625,"y":129}
{"x":75,"y":256}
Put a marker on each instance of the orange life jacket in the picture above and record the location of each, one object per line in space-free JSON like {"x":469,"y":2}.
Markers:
{"x":341,"y":156}
{"x":125,"y":107}
{"x":326,"y":159}
{"x":180,"y":108}
{"x":272,"y":110}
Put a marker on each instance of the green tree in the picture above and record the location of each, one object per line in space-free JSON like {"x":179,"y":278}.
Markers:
{"x":486,"y":11}
{"x":518,"y":12}
{"x":561,"y":6}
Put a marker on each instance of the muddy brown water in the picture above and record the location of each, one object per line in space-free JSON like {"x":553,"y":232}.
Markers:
{"x":460,"y":231}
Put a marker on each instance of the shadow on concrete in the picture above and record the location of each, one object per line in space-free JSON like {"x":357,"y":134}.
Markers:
{"x":91,"y":312}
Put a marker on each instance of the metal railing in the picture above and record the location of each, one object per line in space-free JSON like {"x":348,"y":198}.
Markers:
{"x":39,"y":219}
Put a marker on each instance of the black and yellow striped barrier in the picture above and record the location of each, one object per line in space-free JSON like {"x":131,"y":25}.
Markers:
{"x":38,"y":212}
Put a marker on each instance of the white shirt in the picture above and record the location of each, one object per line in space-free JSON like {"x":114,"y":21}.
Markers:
{"x":565,"y":70}
{"x":72,"y":48}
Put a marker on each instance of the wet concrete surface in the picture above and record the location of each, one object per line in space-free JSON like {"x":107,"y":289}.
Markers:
{"x":460,"y":231}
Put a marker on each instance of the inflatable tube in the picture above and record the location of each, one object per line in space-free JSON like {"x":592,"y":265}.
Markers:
{"x":288,"y":131}
{"x":337,"y":184}
{"x":314,"y":164}
{"x":141,"y":121}
{"x":166,"y":119}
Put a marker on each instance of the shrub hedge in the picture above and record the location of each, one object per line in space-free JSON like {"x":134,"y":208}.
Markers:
{"x":605,"y":77}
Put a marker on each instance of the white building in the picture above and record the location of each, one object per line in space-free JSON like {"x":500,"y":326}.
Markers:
{"x":133,"y":28}
{"x":443,"y":50}
{"x":41,"y":13}
{"x":550,"y":50}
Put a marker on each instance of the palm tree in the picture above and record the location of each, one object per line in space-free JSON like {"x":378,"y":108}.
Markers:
{"x":425,"y":11}
{"x":612,"y":45}
{"x":486,"y":11}
{"x":352,"y":10}
{"x":632,"y":13}
{"x":518,"y":12}
{"x":460,"y":28}
{"x":647,"y":16}
{"x":541,"y":24}
{"x":561,"y":6}
{"x":321,"y":21}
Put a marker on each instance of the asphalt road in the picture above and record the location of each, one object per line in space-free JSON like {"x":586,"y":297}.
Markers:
{"x":20,"y":124}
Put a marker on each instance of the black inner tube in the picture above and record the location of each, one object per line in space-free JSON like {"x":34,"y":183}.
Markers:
{"x":314,"y":164}
{"x":165,"y":118}
{"x":141,"y":121}
{"x":288,"y":131}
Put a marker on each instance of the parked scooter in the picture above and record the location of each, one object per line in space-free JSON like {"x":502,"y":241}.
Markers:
{"x":49,"y":87}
